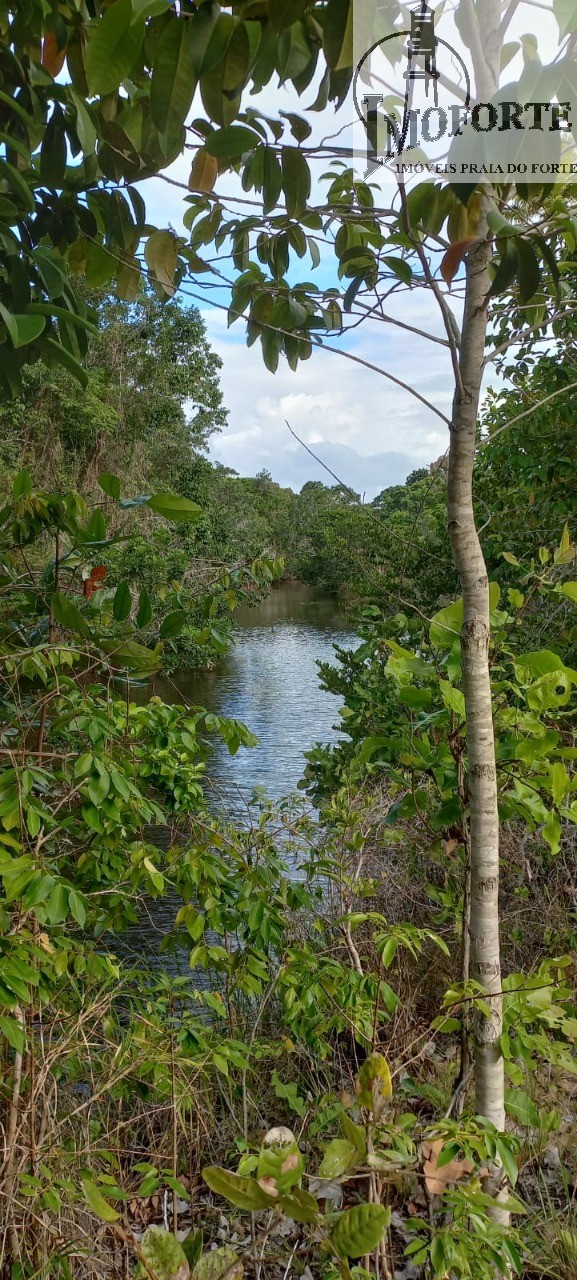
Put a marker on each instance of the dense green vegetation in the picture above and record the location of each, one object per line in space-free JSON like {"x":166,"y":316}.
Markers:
{"x":153,"y":402}
{"x":344,"y":960}
{"x":92,"y":783}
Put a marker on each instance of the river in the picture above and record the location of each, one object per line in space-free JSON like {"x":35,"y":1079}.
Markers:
{"x":268,"y":679}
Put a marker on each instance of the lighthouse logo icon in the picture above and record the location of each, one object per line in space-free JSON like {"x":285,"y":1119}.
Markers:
{"x":413,"y":99}
{"x":421,"y":53}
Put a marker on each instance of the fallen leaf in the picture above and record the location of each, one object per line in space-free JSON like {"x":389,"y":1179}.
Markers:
{"x":437,"y":1180}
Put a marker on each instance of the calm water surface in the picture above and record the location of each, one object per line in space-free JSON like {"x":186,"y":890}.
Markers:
{"x":269,"y":680}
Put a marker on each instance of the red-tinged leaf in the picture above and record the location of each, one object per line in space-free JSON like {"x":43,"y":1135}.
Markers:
{"x":454,"y":257}
{"x":94,"y":581}
{"x":52,"y":56}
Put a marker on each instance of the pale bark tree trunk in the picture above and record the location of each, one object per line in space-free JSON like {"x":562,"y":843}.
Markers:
{"x":484,"y":38}
{"x":481,"y":773}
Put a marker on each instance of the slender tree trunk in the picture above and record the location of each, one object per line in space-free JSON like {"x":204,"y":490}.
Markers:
{"x":482,"y":785}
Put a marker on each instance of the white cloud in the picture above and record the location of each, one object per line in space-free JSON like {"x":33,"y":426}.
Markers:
{"x":353,"y":417}
{"x":360,"y":423}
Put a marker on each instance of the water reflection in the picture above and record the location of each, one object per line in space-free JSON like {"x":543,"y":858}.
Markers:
{"x":269,"y":680}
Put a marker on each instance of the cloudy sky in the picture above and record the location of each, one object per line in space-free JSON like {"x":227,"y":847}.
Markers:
{"x":369,"y":431}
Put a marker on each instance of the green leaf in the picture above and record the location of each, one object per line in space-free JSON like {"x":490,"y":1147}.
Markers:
{"x":284,"y":12}
{"x":374,"y":1080}
{"x":552,"y":832}
{"x":212,"y":1265}
{"x":566,"y":15}
{"x":280,"y":1163}
{"x":83,"y":764}
{"x":164,"y":1254}
{"x":446,"y":1025}
{"x":294,"y":53}
{"x":338,"y":34}
{"x":541,"y":662}
{"x":62,"y":313}
{"x":232,"y":143}
{"x":22,"y":486}
{"x":19,"y":185}
{"x":122,"y":603}
{"x":97,"y":1202}
{"x":173,"y":507}
{"x":77,"y":907}
{"x":58,"y":353}
{"x":506,"y":269}
{"x":355,"y":1134}
{"x":569,"y":589}
{"x":149,"y":8}
{"x":521,"y":1107}
{"x":360,"y":1230}
{"x":400,"y":268}
{"x":128,"y":281}
{"x":99,"y":786}
{"x":85,"y":127}
{"x":68,"y":614}
{"x":507,"y":1160}
{"x":173,"y":76}
{"x":144,"y":615}
{"x":172,"y":625}
{"x":498,"y":223}
{"x":50,"y":270}
{"x":112,"y":49}
{"x":53,"y":151}
{"x":57,"y":905}
{"x":446,"y":626}
{"x":161,"y":253}
{"x":509,"y":1204}
{"x":560,"y":782}
{"x":110,"y":485}
{"x":23,"y":329}
{"x":296,"y":181}
{"x":13,"y":1032}
{"x":272,"y":180}
{"x":299,"y":1205}
{"x":192,"y":1245}
{"x":100,"y":265}
{"x":132,"y":656}
{"x":453,"y":698}
{"x":245,"y":1193}
{"x":213,"y":33}
{"x":339,"y":1156}
{"x":299,"y":127}
{"x":529,"y":271}
{"x":289,"y":1093}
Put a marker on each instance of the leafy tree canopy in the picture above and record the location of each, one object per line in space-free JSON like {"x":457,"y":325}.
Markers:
{"x":151,"y":401}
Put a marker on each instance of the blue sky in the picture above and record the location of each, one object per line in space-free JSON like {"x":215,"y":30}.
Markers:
{"x":368,"y":431}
